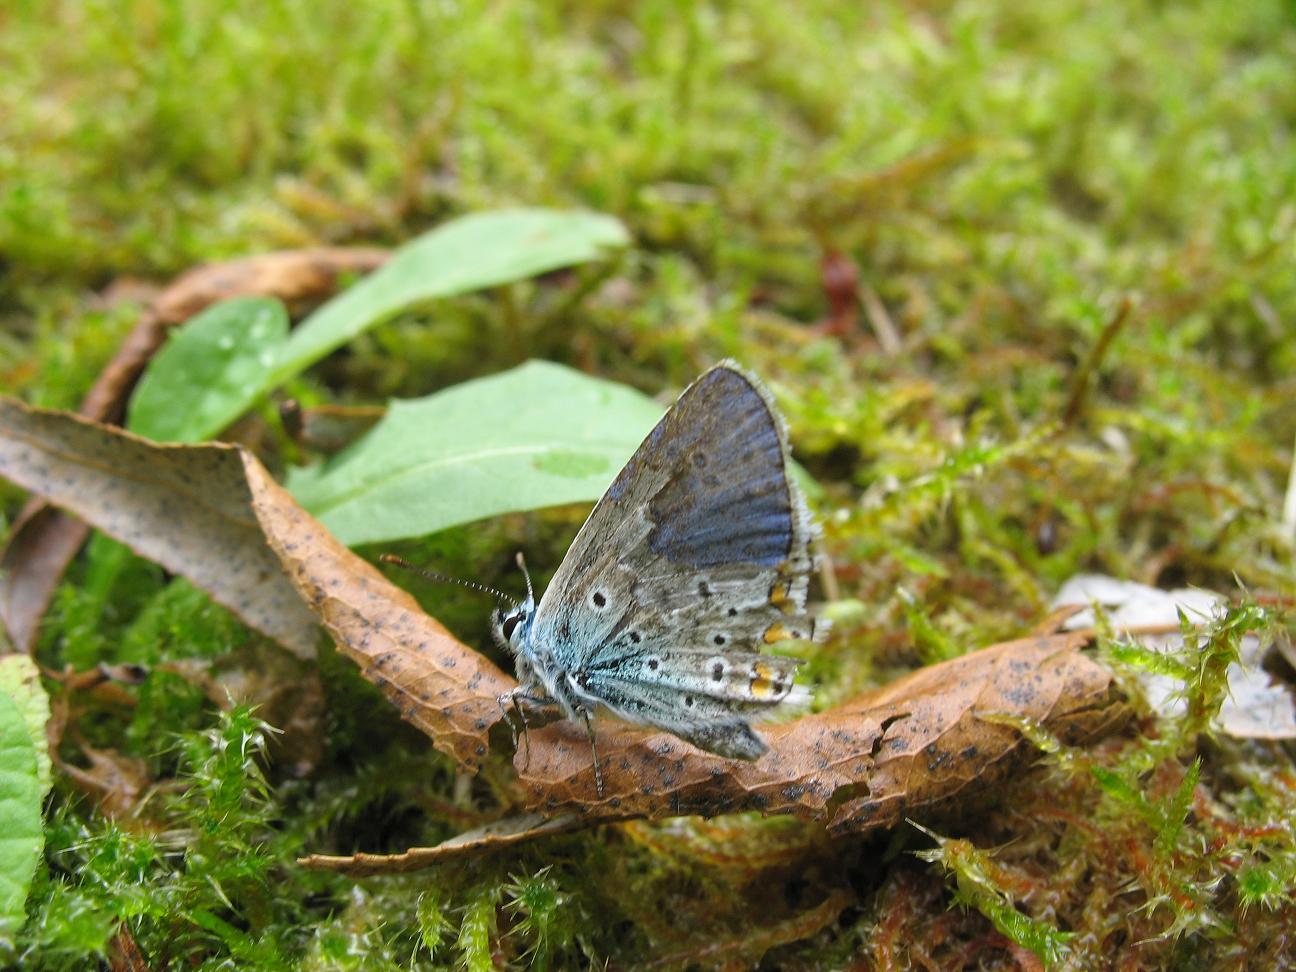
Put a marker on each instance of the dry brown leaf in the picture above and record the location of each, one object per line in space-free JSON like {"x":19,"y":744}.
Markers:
{"x":185,"y":507}
{"x":439,"y":684}
{"x":115,"y":781}
{"x":865,"y":764}
{"x":44,"y":541}
{"x":208,"y":511}
{"x":861,"y":765}
{"x":214,"y":515}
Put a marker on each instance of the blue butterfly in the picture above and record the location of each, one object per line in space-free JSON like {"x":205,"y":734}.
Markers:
{"x":696,"y":558}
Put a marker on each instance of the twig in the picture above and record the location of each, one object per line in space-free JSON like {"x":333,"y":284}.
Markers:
{"x":883,"y":327}
{"x":1080,"y":386}
{"x":471,"y":843}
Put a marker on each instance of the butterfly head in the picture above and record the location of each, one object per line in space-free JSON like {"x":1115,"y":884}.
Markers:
{"x":512,"y":626}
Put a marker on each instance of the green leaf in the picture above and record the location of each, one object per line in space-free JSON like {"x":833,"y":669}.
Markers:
{"x":538,"y":435}
{"x":20,"y":680}
{"x":20,"y":816}
{"x":472,"y":253}
{"x":219,"y":363}
{"x":210,"y":371}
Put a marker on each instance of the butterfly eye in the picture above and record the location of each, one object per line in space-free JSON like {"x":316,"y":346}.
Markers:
{"x":510,"y":624}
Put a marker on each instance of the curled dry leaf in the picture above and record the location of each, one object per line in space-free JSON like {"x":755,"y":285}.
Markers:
{"x":43,"y":540}
{"x":185,"y":507}
{"x":864,"y":764}
{"x":868,"y":763}
{"x":213,"y":514}
{"x":439,"y":684}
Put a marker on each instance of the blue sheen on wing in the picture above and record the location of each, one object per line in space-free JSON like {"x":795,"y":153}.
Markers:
{"x":726,"y":498}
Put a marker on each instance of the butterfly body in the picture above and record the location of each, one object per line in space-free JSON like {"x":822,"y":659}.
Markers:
{"x":695,"y":559}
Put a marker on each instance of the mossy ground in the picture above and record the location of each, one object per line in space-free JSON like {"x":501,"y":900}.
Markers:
{"x":1005,"y":176}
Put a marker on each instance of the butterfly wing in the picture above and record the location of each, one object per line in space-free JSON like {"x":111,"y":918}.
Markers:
{"x":695,"y":558}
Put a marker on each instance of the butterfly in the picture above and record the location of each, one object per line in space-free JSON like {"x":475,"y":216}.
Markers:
{"x":696,"y":558}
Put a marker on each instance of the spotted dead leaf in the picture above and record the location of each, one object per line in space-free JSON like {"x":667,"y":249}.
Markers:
{"x":213,"y":514}
{"x":868,"y":763}
{"x":187,"y":508}
{"x":913,"y":745}
{"x":44,"y":540}
{"x":888,"y":753}
{"x":438,"y":683}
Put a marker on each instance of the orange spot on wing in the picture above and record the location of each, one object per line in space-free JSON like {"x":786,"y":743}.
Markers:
{"x":780,"y":596}
{"x":766,"y":680}
{"x":776,"y":632}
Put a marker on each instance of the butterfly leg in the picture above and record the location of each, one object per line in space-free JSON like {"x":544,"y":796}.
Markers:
{"x":598,"y":770}
{"x":526,"y":732}
{"x":515,"y":698}
{"x":503,"y":701}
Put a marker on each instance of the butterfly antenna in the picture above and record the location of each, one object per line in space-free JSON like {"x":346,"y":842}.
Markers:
{"x":432,"y":575}
{"x":521,"y":562}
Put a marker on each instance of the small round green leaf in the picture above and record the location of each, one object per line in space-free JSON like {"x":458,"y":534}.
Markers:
{"x":211,"y":370}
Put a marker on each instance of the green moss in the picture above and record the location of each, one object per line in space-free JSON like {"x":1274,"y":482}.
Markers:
{"x":1003,"y":176}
